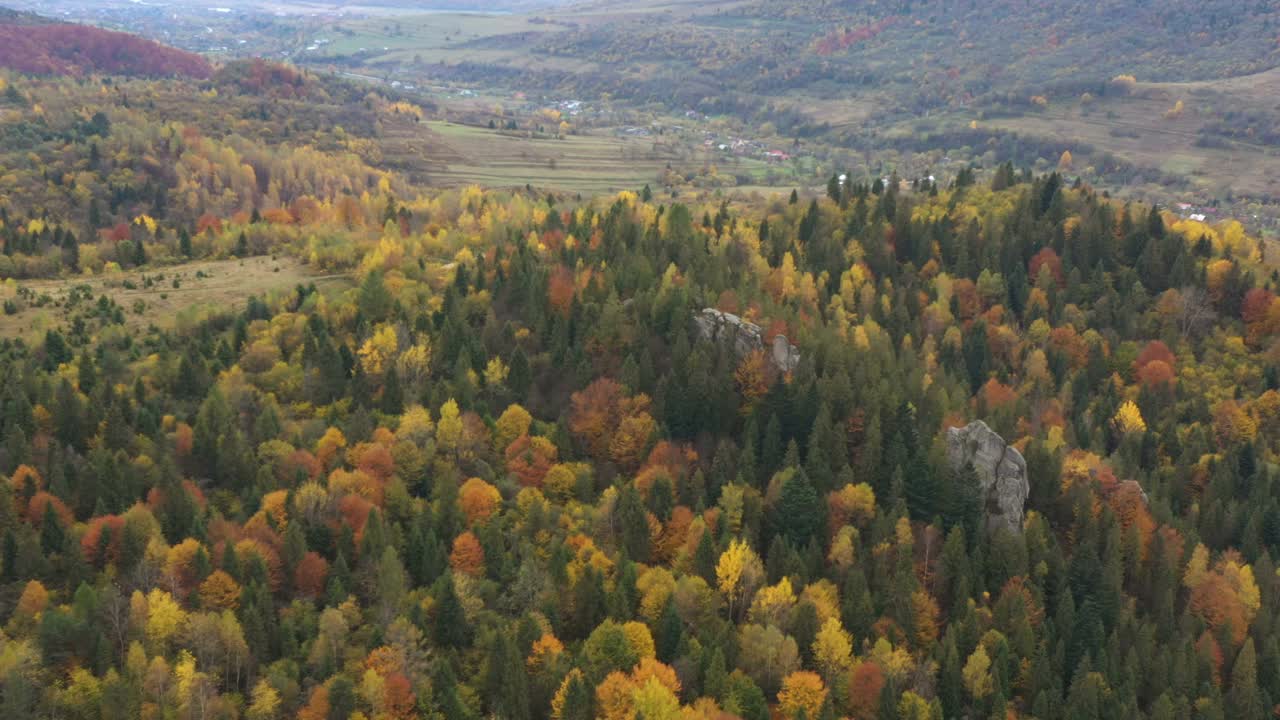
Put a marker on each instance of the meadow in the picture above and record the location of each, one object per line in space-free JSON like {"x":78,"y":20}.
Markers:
{"x":160,"y":296}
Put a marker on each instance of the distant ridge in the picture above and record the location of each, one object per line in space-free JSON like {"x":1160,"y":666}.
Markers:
{"x":40,"y":46}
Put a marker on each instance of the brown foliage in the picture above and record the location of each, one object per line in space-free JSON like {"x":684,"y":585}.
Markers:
{"x":91,"y":543}
{"x":479,"y":500}
{"x":597,"y":414}
{"x":561,"y":289}
{"x":79,"y":50}
{"x":865,"y":683}
{"x":1046,"y":258}
{"x":310,"y":575}
{"x":220,"y":591}
{"x":530,"y":458}
{"x":467,"y":556}
{"x":36,"y":509}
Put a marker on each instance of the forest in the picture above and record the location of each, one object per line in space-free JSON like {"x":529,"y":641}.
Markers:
{"x":503,"y":474}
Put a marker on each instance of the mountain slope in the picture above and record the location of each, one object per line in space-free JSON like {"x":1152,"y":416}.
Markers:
{"x":65,"y":49}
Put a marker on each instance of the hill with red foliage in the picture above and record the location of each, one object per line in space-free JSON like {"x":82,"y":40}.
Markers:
{"x":266,"y":78}
{"x":842,"y":39}
{"x":66,"y":49}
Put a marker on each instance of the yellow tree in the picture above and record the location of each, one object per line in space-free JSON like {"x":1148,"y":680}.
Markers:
{"x":449,"y":429}
{"x":773,"y":604}
{"x":165,"y":617}
{"x":495,"y":373}
{"x":511,"y":424}
{"x":264,"y":703}
{"x":801,"y":690}
{"x":1128,"y":419}
{"x":977,"y":674}
{"x":738,"y":573}
{"x":752,"y":378}
{"x":220,"y":591}
{"x":833,"y":649}
{"x":377,"y":352}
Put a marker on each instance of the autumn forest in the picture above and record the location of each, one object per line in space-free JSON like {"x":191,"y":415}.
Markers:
{"x":516,"y":453}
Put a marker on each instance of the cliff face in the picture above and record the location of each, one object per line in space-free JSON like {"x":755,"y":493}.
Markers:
{"x":715,"y":326}
{"x":1001,"y":470}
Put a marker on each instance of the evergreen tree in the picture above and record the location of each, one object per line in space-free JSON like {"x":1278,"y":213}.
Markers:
{"x":451,"y":628}
{"x":634,"y":524}
{"x":507,"y":683}
{"x":800,"y":511}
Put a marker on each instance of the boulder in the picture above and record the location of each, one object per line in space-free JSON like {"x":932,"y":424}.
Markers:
{"x":745,"y":337}
{"x":1001,"y":470}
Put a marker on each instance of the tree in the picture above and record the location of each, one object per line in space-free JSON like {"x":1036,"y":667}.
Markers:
{"x":310,"y":575}
{"x":977,"y":674}
{"x":264,"y":702}
{"x":634,"y":521}
{"x":479,"y":500}
{"x":573,"y":700}
{"x":865,"y":683}
{"x":467,"y":556}
{"x":512,"y":424}
{"x":767,"y":655}
{"x":375,"y":299}
{"x":530,"y":459}
{"x":738,"y":572}
{"x":451,"y":627}
{"x":220,"y":591}
{"x":833,"y":649}
{"x":391,"y":585}
{"x":507,"y":682}
{"x":1244,"y":700}
{"x":799,"y":513}
{"x":802,"y":695}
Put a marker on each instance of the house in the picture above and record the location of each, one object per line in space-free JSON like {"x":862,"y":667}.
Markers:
{"x":777,"y":156}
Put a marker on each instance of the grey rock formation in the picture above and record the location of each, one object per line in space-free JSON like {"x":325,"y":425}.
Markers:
{"x":1001,"y":470}
{"x":746,"y":337}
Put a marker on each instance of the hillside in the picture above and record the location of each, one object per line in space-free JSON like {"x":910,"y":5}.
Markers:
{"x":78,"y":50}
{"x":349,"y":396}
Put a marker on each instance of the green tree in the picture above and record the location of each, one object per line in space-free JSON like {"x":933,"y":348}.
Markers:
{"x":800,"y":510}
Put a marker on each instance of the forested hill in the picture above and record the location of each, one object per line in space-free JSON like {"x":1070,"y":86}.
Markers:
{"x":477,"y":459}
{"x":945,"y":51}
{"x":500,"y":474}
{"x":30,"y":44}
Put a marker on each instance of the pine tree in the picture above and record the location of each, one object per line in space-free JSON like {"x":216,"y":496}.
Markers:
{"x":799,"y":512}
{"x":578,"y":699}
{"x":1243,"y":700}
{"x":392,"y":394}
{"x":507,"y":685}
{"x":964,"y":502}
{"x":391,"y":585}
{"x":520,"y":376}
{"x":634,"y":525}
{"x":451,"y":627}
{"x":669,"y":633}
{"x":704,"y":558}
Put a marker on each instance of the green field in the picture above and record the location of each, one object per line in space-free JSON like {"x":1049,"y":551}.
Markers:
{"x":450,"y":154}
{"x":221,"y":285}
{"x":1139,"y":129}
{"x":437,"y":37}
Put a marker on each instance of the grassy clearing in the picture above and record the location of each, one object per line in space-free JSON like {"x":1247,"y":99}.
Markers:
{"x":1137,"y":130}
{"x":434,"y":37}
{"x":462,"y":155}
{"x":220,"y":284}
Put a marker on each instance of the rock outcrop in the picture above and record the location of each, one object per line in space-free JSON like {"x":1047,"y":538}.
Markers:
{"x":1001,"y":470}
{"x":746,"y":337}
